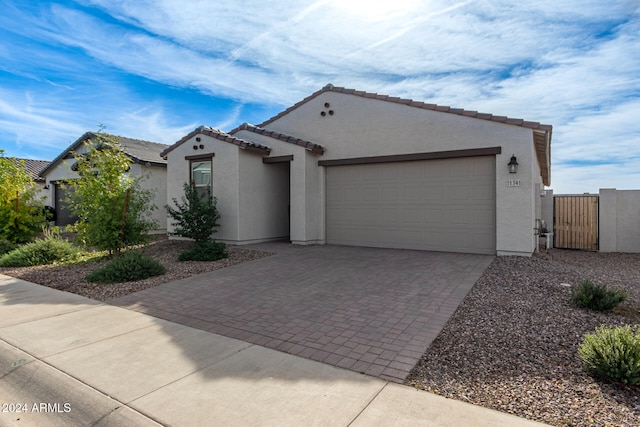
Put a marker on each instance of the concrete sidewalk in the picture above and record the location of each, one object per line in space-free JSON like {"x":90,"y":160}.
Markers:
{"x":66,"y":360}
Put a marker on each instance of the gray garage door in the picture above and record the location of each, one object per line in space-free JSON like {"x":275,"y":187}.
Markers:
{"x":439,"y":205}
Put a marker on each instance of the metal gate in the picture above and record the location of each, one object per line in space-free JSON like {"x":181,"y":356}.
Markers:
{"x":576,"y":222}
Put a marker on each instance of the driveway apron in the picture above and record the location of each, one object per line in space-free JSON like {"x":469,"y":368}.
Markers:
{"x":369,"y":310}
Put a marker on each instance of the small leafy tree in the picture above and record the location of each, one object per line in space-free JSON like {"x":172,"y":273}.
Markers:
{"x":112,"y":209}
{"x":196,"y":217}
{"x":21,"y":212}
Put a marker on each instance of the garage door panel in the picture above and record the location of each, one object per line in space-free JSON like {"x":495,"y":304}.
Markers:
{"x":388,"y":194}
{"x":482,"y":216}
{"x":445,"y":205}
{"x":371,"y":194}
{"x":460,"y":217}
{"x":460,"y":192}
{"x":413,"y":192}
{"x":414,"y":216}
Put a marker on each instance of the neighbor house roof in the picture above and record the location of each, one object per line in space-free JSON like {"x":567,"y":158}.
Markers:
{"x":314,"y":148}
{"x":541,"y":132}
{"x":220,"y":135}
{"x":138,"y":150}
{"x":33,"y":167}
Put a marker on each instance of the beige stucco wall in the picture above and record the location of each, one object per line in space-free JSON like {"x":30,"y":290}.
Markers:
{"x":154,"y":178}
{"x":263,"y":199}
{"x":156,"y":181}
{"x":224,"y":173}
{"x":363,"y":127}
{"x":305,"y":188}
{"x":619,"y":220}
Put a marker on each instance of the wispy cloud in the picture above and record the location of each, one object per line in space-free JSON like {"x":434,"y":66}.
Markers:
{"x":575,"y":65}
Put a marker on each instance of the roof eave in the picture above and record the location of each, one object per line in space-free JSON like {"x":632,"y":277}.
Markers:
{"x":307,"y":145}
{"x":222,"y":136}
{"x":67,"y":151}
{"x":542,"y":146}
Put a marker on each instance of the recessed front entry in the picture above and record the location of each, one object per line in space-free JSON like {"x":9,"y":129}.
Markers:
{"x":440,"y":205}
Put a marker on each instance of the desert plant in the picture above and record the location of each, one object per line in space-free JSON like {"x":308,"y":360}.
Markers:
{"x":40,"y":252}
{"x":196,"y":217}
{"x":205,"y":251}
{"x":132,"y":265}
{"x":596,"y":296}
{"x":613,"y":353}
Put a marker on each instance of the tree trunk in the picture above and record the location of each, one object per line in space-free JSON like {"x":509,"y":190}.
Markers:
{"x":124,"y":222}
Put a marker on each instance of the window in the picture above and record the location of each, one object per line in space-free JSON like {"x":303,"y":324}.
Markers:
{"x":201,"y":176}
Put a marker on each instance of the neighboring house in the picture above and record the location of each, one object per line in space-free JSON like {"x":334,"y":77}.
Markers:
{"x":146,"y":162}
{"x":34,"y":168}
{"x":354,"y":168}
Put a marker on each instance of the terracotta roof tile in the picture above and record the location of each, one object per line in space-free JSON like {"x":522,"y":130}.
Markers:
{"x":417,"y":104}
{"x":314,"y":148}
{"x":222,"y":136}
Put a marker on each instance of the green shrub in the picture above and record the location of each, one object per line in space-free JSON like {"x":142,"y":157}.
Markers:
{"x":613,"y":353}
{"x":7,"y":246}
{"x":41,"y":252}
{"x":197,"y":216}
{"x":205,"y":251}
{"x":596,"y":297}
{"x":130,"y":266}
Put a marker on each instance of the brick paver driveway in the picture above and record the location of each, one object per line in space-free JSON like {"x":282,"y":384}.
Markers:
{"x":369,"y":310}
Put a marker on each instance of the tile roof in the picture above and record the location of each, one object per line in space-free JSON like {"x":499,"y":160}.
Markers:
{"x":314,"y":148}
{"x":138,"y":150}
{"x":412,"y":103}
{"x":541,"y":132}
{"x":143,"y":151}
{"x":222,"y":136}
{"x":33,"y":167}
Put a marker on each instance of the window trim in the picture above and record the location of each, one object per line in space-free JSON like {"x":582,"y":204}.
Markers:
{"x":201,"y":158}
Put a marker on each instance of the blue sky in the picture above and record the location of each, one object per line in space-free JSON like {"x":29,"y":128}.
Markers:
{"x":157,"y":69}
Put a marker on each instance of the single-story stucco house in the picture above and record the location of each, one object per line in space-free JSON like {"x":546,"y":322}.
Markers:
{"x":146,"y":162}
{"x":349,"y":167}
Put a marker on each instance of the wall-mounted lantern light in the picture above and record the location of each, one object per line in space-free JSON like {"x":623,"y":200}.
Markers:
{"x":513,"y":165}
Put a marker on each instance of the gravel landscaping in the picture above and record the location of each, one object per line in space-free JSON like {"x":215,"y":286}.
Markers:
{"x":512,"y":343}
{"x":70,"y":278}
{"x":510,"y":346}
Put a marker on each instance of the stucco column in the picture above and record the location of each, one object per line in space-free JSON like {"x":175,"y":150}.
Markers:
{"x":607,"y":219}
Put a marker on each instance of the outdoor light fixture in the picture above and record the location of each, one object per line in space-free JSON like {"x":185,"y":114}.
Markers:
{"x":513,"y":164}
